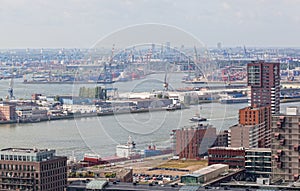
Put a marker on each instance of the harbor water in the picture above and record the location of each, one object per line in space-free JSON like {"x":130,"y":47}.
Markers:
{"x":100,"y":135}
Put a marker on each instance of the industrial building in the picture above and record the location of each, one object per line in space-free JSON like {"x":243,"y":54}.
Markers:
{"x":205,"y":174}
{"x":32,"y":169}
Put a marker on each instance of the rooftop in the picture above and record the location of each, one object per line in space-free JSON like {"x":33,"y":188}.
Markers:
{"x":25,"y":150}
{"x":228,"y":148}
{"x":26,"y":154}
{"x":209,"y":169}
{"x":259,"y":150}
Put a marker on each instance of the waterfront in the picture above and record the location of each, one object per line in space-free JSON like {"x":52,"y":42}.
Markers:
{"x":100,"y":135}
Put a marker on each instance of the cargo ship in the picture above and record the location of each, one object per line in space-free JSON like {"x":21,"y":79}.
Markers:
{"x":124,"y":152}
{"x":234,"y":97}
{"x":233,"y":100}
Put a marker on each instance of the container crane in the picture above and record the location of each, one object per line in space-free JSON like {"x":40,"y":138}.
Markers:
{"x":11,"y":89}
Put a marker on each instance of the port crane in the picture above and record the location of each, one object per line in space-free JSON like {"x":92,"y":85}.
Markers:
{"x":166,"y":84}
{"x":11,"y":89}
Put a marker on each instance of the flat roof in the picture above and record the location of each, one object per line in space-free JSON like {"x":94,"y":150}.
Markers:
{"x":25,"y":150}
{"x":258,"y":149}
{"x":228,"y":148}
{"x":96,"y":184}
{"x":210,"y":169}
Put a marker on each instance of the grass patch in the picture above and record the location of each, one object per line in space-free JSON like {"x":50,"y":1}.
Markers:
{"x":183,"y":163}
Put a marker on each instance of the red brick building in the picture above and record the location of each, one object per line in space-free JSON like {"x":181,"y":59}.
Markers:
{"x":234,"y":157}
{"x":257,"y":116}
{"x":264,"y":81}
{"x":32,"y":169}
{"x":194,"y":141}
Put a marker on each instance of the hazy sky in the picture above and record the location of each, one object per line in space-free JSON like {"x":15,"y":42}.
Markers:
{"x":80,"y":23}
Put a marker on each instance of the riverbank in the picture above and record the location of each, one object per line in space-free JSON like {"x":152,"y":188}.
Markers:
{"x":85,"y":115}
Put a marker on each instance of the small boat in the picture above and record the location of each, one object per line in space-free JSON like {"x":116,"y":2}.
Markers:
{"x":171,"y":107}
{"x":197,"y":118}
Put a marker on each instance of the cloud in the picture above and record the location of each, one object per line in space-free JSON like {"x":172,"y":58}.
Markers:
{"x":226,"y":6}
{"x":86,"y":21}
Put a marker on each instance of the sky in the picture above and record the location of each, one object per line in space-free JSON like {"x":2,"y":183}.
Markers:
{"x":81,"y":23}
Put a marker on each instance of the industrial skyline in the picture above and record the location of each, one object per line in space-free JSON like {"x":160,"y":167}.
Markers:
{"x":78,"y":23}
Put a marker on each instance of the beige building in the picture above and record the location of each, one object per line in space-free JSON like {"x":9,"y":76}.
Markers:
{"x":285,"y":145}
{"x":247,"y":136}
{"x":7,"y":112}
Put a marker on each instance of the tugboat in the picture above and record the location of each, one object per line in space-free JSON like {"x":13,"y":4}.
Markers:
{"x":197,"y":118}
{"x":171,"y":107}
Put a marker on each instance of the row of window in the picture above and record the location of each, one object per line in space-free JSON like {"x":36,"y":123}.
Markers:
{"x":17,"y":157}
{"x":53,"y":165}
{"x":53,"y":172}
{"x":17,"y":167}
{"x":225,"y":156}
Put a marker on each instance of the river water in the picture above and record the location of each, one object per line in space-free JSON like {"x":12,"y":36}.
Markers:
{"x":100,"y":135}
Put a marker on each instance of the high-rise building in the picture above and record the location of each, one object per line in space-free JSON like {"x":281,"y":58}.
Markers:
{"x":285,"y":145}
{"x":193,"y":141}
{"x":32,"y":170}
{"x":264,"y":81}
{"x":259,"y":118}
{"x":254,"y":121}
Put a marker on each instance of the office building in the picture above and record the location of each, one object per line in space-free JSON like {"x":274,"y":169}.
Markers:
{"x":32,"y":170}
{"x":264,"y":82}
{"x":258,"y":163}
{"x":234,"y":157}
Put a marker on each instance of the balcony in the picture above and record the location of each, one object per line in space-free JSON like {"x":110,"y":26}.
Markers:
{"x":282,"y":142}
{"x":277,"y":136}
{"x":280,"y":152}
{"x":281,"y":118}
{"x":296,"y":147}
{"x":277,"y":158}
{"x":279,"y":165}
{"x":279,"y":125}
{"x":16,"y":177}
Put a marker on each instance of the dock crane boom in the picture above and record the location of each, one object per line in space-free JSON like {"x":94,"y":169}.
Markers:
{"x":11,"y":89}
